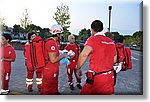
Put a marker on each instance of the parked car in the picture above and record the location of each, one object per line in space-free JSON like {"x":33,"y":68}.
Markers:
{"x":19,"y":41}
{"x":15,"y":40}
{"x":23,"y":41}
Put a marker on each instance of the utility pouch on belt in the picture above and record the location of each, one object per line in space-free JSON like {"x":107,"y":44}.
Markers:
{"x":90,"y":77}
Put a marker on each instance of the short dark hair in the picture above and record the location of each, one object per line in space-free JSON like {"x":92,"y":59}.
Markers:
{"x":97,"y":26}
{"x":30,"y":34}
{"x":55,"y":35}
{"x":7,"y":37}
{"x":120,"y":39}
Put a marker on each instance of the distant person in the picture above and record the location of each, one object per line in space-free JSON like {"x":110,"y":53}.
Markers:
{"x":102,"y":52}
{"x":71,"y":68}
{"x":34,"y":59}
{"x":123,"y":55}
{"x":51,"y":70}
{"x":7,"y":55}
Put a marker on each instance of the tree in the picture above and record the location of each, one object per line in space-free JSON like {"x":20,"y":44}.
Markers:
{"x":84,"y":34}
{"x":25,"y":21}
{"x":138,"y":38}
{"x":62,"y":17}
{"x":109,"y":35}
{"x":33,"y":28}
{"x":128,"y":40}
{"x":3,"y":26}
{"x":44,"y":33}
{"x":135,"y":39}
{"x":116,"y":36}
{"x":17,"y":30}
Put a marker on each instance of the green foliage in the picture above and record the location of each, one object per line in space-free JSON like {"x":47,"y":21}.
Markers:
{"x":128,"y":40}
{"x":116,"y":36}
{"x":3,"y":26}
{"x":62,"y":17}
{"x":33,"y":28}
{"x":84,"y":34}
{"x":136,"y":39}
{"x":44,"y":33}
{"x":66,"y":33}
{"x":17,"y":29}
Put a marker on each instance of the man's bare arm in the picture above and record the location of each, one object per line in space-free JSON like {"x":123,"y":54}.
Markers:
{"x":83,"y":56}
{"x":53,"y":58}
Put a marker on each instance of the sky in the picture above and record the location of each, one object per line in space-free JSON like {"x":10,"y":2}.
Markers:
{"x":125,"y":14}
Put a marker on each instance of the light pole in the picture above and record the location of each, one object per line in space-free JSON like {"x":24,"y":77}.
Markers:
{"x":109,"y":8}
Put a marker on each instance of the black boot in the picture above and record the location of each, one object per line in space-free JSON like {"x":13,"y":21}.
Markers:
{"x":71,"y":87}
{"x":79,"y":86}
{"x":30,"y":89}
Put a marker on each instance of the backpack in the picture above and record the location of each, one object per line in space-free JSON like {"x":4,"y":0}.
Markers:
{"x":124,"y":55}
{"x":37,"y":52}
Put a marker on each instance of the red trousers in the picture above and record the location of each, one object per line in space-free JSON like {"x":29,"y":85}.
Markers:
{"x":5,"y":80}
{"x":49,"y":81}
{"x":103,"y":85}
{"x":29,"y":79}
{"x":70,"y":71}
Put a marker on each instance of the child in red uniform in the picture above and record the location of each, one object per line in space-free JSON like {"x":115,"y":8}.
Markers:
{"x":7,"y":55}
{"x":51,"y":70}
{"x":73,"y":62}
{"x":102,"y":51}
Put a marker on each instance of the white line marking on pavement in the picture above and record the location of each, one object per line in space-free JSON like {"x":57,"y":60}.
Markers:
{"x":133,"y":58}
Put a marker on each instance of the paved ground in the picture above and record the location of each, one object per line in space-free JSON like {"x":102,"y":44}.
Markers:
{"x":128,"y":82}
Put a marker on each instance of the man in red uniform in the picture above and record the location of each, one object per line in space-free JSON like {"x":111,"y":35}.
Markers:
{"x":7,"y":55}
{"x":102,"y":51}
{"x":51,"y":70}
{"x":30,"y":63}
{"x":73,"y":62}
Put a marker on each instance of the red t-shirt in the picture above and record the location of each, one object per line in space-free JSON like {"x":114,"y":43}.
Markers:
{"x":51,"y":46}
{"x":7,"y":52}
{"x":102,"y":55}
{"x":75,"y":49}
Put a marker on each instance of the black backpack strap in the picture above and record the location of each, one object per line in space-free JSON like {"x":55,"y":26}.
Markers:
{"x":45,"y":41}
{"x":117,"y":55}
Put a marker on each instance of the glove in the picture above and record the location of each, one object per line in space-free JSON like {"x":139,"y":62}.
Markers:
{"x":63,"y":51}
{"x":117,"y":67}
{"x":71,"y":53}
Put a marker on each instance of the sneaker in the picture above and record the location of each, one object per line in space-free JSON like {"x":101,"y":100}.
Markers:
{"x":71,"y":87}
{"x":30,"y":90}
{"x":4,"y":92}
{"x":79,"y":86}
